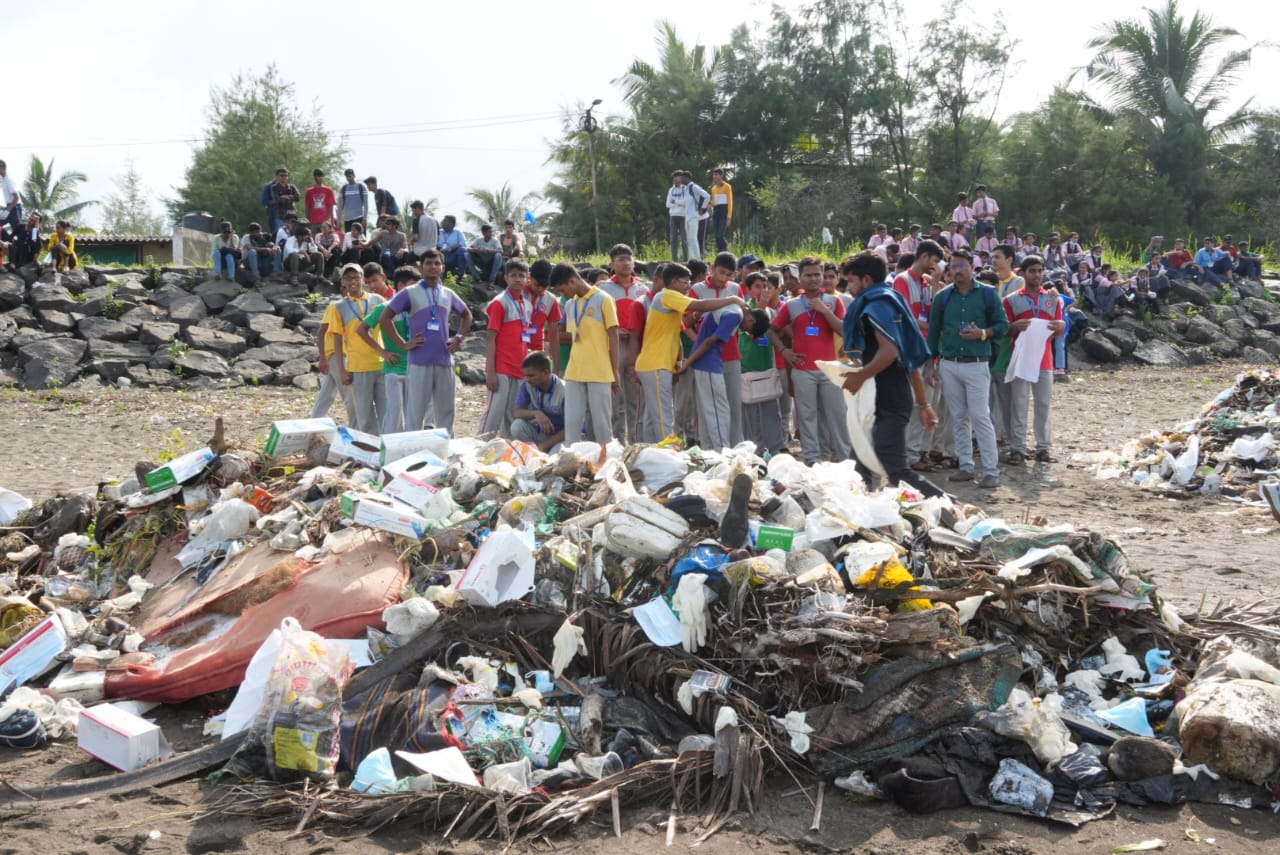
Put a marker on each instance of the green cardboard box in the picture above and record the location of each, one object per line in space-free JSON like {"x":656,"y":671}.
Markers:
{"x":774,"y":537}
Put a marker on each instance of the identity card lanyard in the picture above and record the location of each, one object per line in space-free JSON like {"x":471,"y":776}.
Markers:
{"x":364,"y":308}
{"x":433,"y":297}
{"x":579,"y":304}
{"x":812,"y":328}
{"x":526,"y":330}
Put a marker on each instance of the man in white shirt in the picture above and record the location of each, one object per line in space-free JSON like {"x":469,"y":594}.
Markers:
{"x":963,"y":215}
{"x":676,"y":209}
{"x":426,"y":230}
{"x":985,"y":211}
{"x":696,"y":202}
{"x":12,"y":200}
{"x":301,"y":253}
{"x":353,"y":202}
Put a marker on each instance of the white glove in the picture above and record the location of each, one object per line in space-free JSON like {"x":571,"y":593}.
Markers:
{"x":690,"y":601}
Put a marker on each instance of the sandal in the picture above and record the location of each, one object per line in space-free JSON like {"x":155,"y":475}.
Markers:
{"x":948,"y":462}
{"x":1043,"y":456}
{"x":1015,"y":457}
{"x":924,"y":464}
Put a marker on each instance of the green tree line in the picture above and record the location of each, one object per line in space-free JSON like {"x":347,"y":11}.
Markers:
{"x":846,"y":113}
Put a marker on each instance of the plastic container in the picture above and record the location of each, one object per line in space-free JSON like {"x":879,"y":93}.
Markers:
{"x":1020,"y":786}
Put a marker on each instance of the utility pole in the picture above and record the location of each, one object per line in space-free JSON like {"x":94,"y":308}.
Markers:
{"x":590,"y":126}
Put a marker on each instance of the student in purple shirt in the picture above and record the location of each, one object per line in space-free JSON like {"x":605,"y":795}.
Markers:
{"x":430,"y":384}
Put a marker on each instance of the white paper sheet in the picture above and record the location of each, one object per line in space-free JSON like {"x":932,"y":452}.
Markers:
{"x":447,"y":764}
{"x":1028,"y":352}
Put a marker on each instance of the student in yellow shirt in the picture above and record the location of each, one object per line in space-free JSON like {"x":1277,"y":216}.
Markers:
{"x":62,"y":247}
{"x":661,"y":348}
{"x":591,"y":377}
{"x":721,"y":208}
{"x":361,"y":364}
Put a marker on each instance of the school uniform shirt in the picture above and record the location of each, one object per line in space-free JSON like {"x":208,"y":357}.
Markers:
{"x":757,"y":353}
{"x":589,"y":319}
{"x":985,"y":208}
{"x":512,"y":318}
{"x":550,"y":402}
{"x":723,"y":328}
{"x":706,"y":291}
{"x":909,"y":244}
{"x":661,"y":348}
{"x":1008,"y":286}
{"x":1019,"y":305}
{"x":963,"y":215}
{"x":292,"y":245}
{"x":811,"y":336}
{"x":630,"y":301}
{"x":344,"y":316}
{"x":401,"y":365}
{"x":428,"y":312}
{"x":918,"y":294}
{"x":546,"y":310}
{"x":320,"y":201}
{"x":722,"y":194}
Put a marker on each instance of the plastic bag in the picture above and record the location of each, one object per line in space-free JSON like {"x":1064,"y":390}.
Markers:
{"x":296,"y":728}
{"x":374,"y":775}
{"x":1184,"y":467}
{"x":1252,"y":448}
{"x":11,"y":504}
{"x":1035,"y":722}
{"x":407,"y":620}
{"x":1018,"y":785}
{"x":661,"y":466}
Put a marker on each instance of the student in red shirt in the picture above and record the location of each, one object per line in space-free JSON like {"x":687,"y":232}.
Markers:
{"x":915,"y":284}
{"x":546,"y":318}
{"x":816,"y":324}
{"x":631,"y":300}
{"x":1023,"y":306}
{"x":321,"y":203}
{"x":721,"y":284}
{"x":1177,"y":261}
{"x":506,"y":345}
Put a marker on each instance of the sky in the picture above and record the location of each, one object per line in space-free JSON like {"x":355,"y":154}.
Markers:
{"x":442,"y":98}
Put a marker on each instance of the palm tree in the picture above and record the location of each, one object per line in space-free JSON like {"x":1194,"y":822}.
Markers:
{"x":1161,"y":78}
{"x":498,"y":205}
{"x":56,"y":199}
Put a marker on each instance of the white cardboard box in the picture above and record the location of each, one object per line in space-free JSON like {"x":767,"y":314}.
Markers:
{"x":363,"y":448}
{"x":119,"y":738}
{"x":425,"y":465}
{"x":179,"y":470}
{"x":385,"y":514}
{"x":292,"y":436}
{"x":397,"y":445}
{"x":32,"y":654}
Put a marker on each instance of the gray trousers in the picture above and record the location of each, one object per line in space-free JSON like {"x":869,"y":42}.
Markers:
{"x":371,"y":401}
{"x":762,"y":424}
{"x":1020,"y":396}
{"x":429,"y":391}
{"x":784,"y":404}
{"x":819,"y":401}
{"x":588,"y":399}
{"x":313,"y":262}
{"x":393,"y":386}
{"x":966,"y":387}
{"x":733,"y":387}
{"x":526,"y":430}
{"x":501,"y":410}
{"x":713,"y":410}
{"x":628,"y":415}
{"x":686,"y":409}
{"x":659,"y":406}
{"x":331,"y":386}
{"x":679,"y":240}
{"x":1001,"y":405}
{"x":940,"y":439}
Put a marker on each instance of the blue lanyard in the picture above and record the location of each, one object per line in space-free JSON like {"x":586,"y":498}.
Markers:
{"x":813,"y":315}
{"x":579,"y":305}
{"x":433,"y":297}
{"x":519,"y":304}
{"x":364,"y":309}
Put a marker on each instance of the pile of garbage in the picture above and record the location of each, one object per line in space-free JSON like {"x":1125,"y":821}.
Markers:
{"x":1231,"y":449}
{"x":506,"y":640}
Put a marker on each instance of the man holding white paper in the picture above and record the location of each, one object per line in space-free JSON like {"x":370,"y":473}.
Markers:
{"x":1035,"y":320}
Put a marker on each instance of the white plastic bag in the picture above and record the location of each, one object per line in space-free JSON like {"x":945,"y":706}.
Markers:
{"x":407,"y":620}
{"x":661,"y":466}
{"x":1252,"y":448}
{"x":11,"y":504}
{"x":1184,"y":466}
{"x":1036,"y":722}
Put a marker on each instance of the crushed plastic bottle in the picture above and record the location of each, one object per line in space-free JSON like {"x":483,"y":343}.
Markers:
{"x":1020,"y":786}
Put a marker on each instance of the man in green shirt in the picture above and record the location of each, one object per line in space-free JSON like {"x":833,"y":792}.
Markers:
{"x":761,"y":415}
{"x":395,"y":363}
{"x":964,"y":319}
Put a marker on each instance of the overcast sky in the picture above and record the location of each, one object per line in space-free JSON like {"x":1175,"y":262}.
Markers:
{"x":435,"y":98}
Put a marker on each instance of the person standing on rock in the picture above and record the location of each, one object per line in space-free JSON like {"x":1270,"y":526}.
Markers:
{"x":353,"y":202}
{"x":12,"y":201}
{"x":431,"y":383}
{"x":507,"y":338}
{"x":320,"y":202}
{"x":284,"y":197}
{"x":1027,"y":304}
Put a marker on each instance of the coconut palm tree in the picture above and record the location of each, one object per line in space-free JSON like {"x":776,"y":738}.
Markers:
{"x":498,"y":205}
{"x":1161,"y":76}
{"x":55,"y":198}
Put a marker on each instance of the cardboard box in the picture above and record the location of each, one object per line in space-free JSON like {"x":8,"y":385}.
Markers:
{"x":180,"y":469}
{"x":293,"y":436}
{"x":385,"y":514}
{"x":427,"y":500}
{"x":394,"y":446}
{"x":118,"y":738}
{"x":774,"y":537}
{"x":350,"y":444}
{"x":33,"y":654}
{"x":425,"y":466}
{"x":502,"y":569}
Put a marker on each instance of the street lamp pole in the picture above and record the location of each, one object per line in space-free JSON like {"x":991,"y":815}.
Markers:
{"x":590,"y":125}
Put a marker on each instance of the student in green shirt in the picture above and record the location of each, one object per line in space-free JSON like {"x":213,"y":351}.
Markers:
{"x":395,"y":362}
{"x":761,"y":385}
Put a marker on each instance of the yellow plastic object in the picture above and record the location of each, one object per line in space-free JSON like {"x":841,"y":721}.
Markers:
{"x":17,"y":615}
{"x":891,"y":574}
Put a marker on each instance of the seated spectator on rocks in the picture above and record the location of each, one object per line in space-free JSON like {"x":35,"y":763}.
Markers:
{"x":1011,"y":238}
{"x":1157,"y":278}
{"x":1228,"y":246}
{"x":510,"y":240}
{"x":1155,"y":249}
{"x":61,"y":247}
{"x":1082,"y":280}
{"x":301,"y":255}
{"x":259,"y":250}
{"x":1212,"y":263}
{"x":329,"y":242}
{"x":1106,"y":292}
{"x":424,"y":230}
{"x":287,"y":229}
{"x":1140,"y":293}
{"x":1028,"y":245}
{"x":1177,"y":262}
{"x":486,"y":254}
{"x":391,"y":244}
{"x":1095,"y":257}
{"x":1248,"y":264}
{"x":912,"y":240}
{"x":1072,"y":247}
{"x":27,"y":241}
{"x":1055,"y":257}
{"x":954,"y":240}
{"x":880,"y":238}
{"x":226,"y":252}
{"x":986,"y":244}
{"x":453,"y":246}
{"x":355,"y":246}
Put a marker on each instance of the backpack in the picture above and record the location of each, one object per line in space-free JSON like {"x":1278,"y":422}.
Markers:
{"x":265,"y":198}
